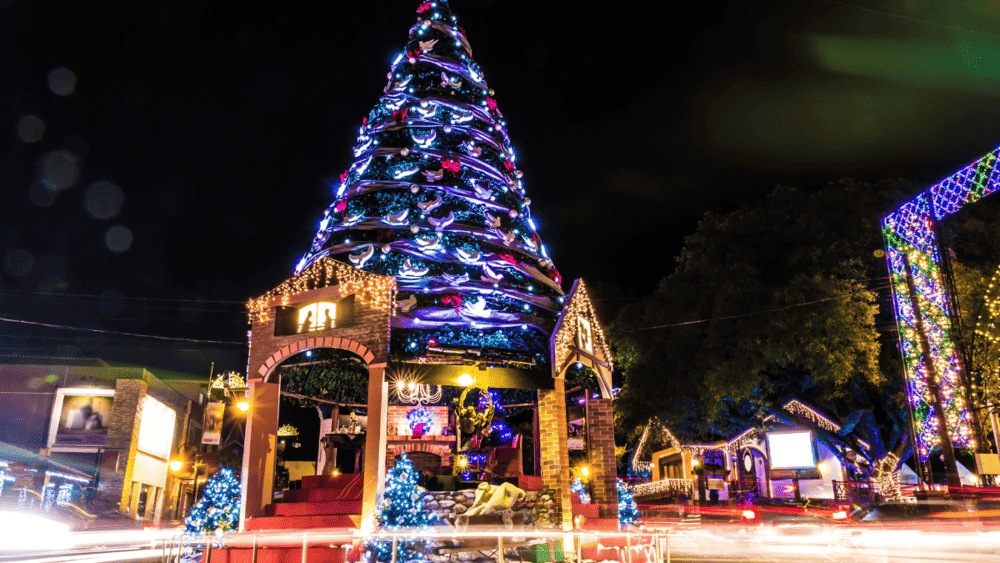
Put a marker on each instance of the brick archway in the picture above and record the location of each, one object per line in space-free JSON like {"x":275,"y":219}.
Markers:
{"x":281,"y":355}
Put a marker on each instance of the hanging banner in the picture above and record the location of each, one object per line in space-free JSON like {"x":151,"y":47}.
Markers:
{"x":213,"y":423}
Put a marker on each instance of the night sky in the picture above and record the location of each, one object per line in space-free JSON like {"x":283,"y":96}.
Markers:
{"x":174,"y":158}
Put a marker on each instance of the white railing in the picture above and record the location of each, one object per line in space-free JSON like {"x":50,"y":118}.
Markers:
{"x":654,"y":546}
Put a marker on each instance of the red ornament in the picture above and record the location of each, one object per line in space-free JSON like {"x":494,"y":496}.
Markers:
{"x":509,"y":259}
{"x":343,"y":177}
{"x":364,"y":121}
{"x":386,"y":235}
{"x":432,"y":341}
{"x":492,"y":103}
{"x":424,"y":7}
{"x":454,"y":299}
{"x":341,"y":206}
{"x":453,"y":165}
{"x":508,"y":165}
{"x":401,"y":114}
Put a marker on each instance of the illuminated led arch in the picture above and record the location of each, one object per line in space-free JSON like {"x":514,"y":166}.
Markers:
{"x":911,"y":244}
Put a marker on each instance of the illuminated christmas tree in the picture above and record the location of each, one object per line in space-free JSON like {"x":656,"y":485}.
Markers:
{"x":219,"y":506}
{"x":435,"y":198}
{"x":628,"y":511}
{"x":401,"y":508}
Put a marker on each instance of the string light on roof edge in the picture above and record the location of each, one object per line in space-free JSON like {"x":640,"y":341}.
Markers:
{"x":373,"y":290}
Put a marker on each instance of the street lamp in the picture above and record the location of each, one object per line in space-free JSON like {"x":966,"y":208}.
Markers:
{"x":177,"y":465}
{"x":243,"y":405}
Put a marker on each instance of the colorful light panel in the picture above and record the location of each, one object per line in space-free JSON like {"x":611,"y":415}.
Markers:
{"x":910,"y":237}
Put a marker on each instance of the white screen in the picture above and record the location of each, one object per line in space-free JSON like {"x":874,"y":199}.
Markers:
{"x":791,"y":450}
{"x":156,"y":429}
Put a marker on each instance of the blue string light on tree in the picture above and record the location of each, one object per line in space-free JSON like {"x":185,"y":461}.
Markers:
{"x":401,"y":508}
{"x":628,"y":511}
{"x":580,"y":489}
{"x":219,"y":507}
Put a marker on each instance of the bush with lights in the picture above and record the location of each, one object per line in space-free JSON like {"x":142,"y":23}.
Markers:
{"x":628,"y":511}
{"x":219,"y":506}
{"x":435,"y":198}
{"x":401,"y":508}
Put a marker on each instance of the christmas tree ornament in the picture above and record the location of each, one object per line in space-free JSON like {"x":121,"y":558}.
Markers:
{"x":442,"y":223}
{"x":398,"y":218}
{"x":408,"y":270}
{"x":361,"y":257}
{"x":434,"y":175}
{"x":428,"y":206}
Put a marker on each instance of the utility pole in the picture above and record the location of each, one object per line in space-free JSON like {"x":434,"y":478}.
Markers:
{"x":950,"y":465}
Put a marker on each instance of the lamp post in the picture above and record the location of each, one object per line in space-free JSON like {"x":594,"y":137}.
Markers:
{"x":176,"y":466}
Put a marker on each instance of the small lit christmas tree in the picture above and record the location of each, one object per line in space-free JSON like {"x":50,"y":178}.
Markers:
{"x":628,"y":512}
{"x":579,"y":488}
{"x":219,"y":506}
{"x":401,"y":508}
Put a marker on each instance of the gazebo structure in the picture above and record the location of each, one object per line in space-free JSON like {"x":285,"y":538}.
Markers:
{"x":427,"y":266}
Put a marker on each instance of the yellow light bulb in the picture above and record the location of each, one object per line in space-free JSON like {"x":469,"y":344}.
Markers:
{"x":244,"y":406}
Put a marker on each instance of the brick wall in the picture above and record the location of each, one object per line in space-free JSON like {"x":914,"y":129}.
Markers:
{"x":368,"y":335}
{"x":554,"y":452}
{"x":601,"y":456}
{"x":123,"y":432}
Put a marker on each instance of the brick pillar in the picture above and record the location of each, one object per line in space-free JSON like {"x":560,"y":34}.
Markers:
{"x":554,"y":450}
{"x":601,"y":456}
{"x":123,"y":435}
{"x":259,"y":450}
{"x":374,"y":469}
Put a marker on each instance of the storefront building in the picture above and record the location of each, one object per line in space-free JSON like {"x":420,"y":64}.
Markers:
{"x":111,"y":429}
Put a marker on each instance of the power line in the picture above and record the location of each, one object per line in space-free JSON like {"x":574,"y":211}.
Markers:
{"x":735,"y":316}
{"x":72,"y":295}
{"x":170,"y":338}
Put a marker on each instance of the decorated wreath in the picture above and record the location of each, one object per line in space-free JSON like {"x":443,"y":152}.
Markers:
{"x":419,"y":415}
{"x":470,"y":418}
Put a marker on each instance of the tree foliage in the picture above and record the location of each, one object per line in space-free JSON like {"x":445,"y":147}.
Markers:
{"x":788,"y":285}
{"x":328,"y":374}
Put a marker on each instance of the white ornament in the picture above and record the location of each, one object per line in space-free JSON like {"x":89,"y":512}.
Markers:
{"x":361,"y":257}
{"x":399,"y":218}
{"x":414,"y":189}
{"x":442,"y":223}
{"x":414,"y":229}
{"x":434,"y":175}
{"x":386,"y":248}
{"x":428,"y":206}
{"x":405,"y":152}
{"x":513,"y":214}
